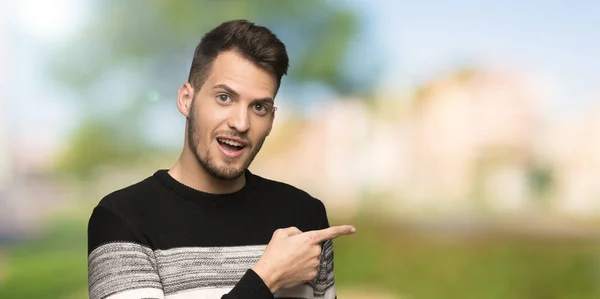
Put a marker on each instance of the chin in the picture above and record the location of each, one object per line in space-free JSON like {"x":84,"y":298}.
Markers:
{"x":227,"y":171}
{"x":224,"y":168}
{"x":229,"y":175}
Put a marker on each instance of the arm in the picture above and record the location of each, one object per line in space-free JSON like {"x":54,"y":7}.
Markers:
{"x":121,"y":265}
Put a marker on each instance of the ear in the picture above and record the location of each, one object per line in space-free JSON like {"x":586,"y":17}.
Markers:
{"x":185,"y":97}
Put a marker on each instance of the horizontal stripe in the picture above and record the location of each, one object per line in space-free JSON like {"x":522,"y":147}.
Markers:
{"x":146,"y":293}
{"x":212,"y":293}
{"x":118,"y":267}
{"x":190,"y":272}
{"x":205,"y":267}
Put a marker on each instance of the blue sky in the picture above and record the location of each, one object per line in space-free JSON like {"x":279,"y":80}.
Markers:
{"x":558,"y":41}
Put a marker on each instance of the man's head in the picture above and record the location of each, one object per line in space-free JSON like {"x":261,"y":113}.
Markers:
{"x":229,"y":97}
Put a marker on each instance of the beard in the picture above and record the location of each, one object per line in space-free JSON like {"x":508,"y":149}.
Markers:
{"x":229,"y":171}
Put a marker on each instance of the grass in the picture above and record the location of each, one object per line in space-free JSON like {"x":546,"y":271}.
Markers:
{"x":413,"y":265}
{"x":53,"y":265}
{"x":403,"y":262}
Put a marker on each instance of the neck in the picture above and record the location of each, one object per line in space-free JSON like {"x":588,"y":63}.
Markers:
{"x":188,"y":171}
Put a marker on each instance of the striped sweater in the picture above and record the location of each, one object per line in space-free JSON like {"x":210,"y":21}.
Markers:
{"x":161,"y":239}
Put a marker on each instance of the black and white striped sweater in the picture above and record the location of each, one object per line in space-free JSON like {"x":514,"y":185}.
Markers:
{"x":162,"y":239}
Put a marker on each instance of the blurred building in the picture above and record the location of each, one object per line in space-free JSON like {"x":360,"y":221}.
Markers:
{"x":464,"y":141}
{"x":324,"y":155}
{"x":472,"y":139}
{"x":573,"y":148}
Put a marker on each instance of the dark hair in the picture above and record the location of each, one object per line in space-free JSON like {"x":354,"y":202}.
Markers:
{"x":255,"y":43}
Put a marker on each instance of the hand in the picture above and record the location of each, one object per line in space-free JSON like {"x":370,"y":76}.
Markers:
{"x":292,"y":257}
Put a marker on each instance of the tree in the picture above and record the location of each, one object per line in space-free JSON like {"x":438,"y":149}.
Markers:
{"x":135,"y":51}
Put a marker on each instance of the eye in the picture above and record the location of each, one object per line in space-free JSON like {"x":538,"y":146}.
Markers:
{"x":223,"y":98}
{"x":261,"y":109}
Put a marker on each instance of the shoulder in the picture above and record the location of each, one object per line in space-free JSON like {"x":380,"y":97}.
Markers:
{"x":126,"y":200}
{"x":116,"y":217}
{"x":290,"y":195}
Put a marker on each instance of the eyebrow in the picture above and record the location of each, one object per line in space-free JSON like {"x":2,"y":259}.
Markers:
{"x":235,"y":94}
{"x":226,"y":88}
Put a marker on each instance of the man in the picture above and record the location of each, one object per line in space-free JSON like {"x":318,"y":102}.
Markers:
{"x":208,"y":227}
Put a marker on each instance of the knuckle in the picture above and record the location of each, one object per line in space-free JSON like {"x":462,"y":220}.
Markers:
{"x":286,"y":231}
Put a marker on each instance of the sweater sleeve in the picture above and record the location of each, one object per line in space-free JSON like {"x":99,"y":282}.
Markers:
{"x":121,"y":265}
{"x":324,"y":284}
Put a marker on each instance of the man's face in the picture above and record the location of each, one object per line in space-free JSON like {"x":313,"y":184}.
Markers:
{"x":231,"y":115}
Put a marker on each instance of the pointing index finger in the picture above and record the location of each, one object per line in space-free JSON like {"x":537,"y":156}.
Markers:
{"x":330,"y":233}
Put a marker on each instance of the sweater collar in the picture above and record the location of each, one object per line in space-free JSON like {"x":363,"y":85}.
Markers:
{"x":199,"y":196}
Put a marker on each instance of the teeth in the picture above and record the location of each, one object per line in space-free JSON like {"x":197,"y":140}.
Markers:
{"x":231,"y":142}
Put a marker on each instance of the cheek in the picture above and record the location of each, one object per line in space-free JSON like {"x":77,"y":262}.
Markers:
{"x":212,"y":115}
{"x":208,"y":121}
{"x":261,"y":127}
{"x":200,"y":126}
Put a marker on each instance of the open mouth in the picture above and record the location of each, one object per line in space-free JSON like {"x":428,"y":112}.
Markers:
{"x":229,"y":145}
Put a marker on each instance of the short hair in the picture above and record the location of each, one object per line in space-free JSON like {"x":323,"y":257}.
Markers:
{"x":253,"y":42}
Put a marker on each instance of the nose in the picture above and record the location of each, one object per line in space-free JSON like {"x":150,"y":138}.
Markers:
{"x":239,"y":119}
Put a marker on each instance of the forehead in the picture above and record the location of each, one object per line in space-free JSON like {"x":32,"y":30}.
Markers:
{"x":240,"y":74}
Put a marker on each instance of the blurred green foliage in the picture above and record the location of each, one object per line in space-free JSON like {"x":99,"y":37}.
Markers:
{"x":97,"y":143}
{"x":404,"y":263}
{"x":162,"y":34}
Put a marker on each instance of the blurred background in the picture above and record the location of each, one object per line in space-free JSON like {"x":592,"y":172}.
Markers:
{"x":462,"y":138}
